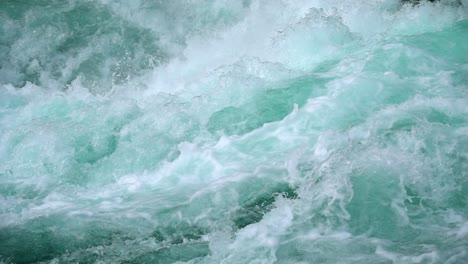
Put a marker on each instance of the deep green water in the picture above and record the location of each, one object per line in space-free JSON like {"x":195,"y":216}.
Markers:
{"x":221,"y":131}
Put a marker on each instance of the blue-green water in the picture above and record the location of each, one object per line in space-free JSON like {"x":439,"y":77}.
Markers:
{"x":220,"y":131}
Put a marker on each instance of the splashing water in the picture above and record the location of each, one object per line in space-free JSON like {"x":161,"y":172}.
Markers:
{"x":219,"y":131}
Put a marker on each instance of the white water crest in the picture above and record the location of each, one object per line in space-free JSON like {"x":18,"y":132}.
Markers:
{"x":223,"y":131}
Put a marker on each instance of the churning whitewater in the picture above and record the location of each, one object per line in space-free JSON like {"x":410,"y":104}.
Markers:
{"x":221,"y":131}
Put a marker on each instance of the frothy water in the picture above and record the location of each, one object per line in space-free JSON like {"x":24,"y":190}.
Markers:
{"x":219,"y":131}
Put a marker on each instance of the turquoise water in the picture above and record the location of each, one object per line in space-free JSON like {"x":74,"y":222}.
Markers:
{"x":219,"y":131}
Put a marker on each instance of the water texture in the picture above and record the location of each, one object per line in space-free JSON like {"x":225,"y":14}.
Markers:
{"x":220,"y":131}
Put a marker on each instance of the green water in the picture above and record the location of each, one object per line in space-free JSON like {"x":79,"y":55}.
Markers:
{"x":219,"y":131}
